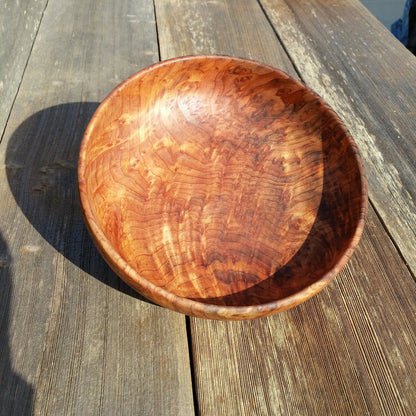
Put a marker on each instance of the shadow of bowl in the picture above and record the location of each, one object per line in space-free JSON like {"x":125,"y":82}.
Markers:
{"x":41,"y":163}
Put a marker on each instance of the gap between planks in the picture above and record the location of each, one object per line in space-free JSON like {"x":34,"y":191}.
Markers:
{"x":192,"y":364}
{"x":397,"y":248}
{"x":157,"y":30}
{"x":39,"y":23}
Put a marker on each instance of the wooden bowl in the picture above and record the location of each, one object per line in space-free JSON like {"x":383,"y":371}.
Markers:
{"x":220,"y":187}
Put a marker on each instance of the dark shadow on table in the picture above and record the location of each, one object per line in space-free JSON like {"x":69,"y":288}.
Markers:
{"x":16,"y":395}
{"x":41,"y":161}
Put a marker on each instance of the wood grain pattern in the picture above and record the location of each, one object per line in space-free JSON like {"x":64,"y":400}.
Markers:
{"x":369,"y":79}
{"x":232,"y":27}
{"x":19,"y":23}
{"x":74,"y":339}
{"x":221,"y":188}
{"x":356,"y":337}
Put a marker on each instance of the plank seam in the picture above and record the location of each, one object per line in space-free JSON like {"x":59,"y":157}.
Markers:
{"x":24,"y":71}
{"x":192,"y":365}
{"x":157,"y":31}
{"x":390,"y":236}
{"x":279,"y":39}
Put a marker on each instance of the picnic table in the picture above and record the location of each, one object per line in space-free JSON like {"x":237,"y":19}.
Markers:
{"x":76,"y":340}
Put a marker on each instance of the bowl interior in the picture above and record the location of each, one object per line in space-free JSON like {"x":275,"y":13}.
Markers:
{"x":221,"y":181}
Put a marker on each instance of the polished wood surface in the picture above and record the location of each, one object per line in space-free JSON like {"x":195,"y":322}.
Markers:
{"x":76,"y":340}
{"x":221,"y":188}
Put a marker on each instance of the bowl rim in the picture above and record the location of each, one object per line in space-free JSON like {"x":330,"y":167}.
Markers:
{"x":185,"y":305}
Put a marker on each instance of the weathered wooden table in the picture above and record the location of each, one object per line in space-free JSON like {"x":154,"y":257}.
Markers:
{"x":75,"y":340}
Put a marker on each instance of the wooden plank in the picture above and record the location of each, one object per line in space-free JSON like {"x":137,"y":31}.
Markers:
{"x":19,"y":23}
{"x":369,"y":78}
{"x":347,"y":351}
{"x":74,"y":339}
{"x":187,"y":27}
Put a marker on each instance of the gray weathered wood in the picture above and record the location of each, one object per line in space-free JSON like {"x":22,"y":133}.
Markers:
{"x":74,"y":339}
{"x":369,"y":78}
{"x":238,"y":28}
{"x":19,"y":23}
{"x":339,"y":353}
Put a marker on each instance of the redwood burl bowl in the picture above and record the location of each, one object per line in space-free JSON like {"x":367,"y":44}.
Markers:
{"x":220,"y":187}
